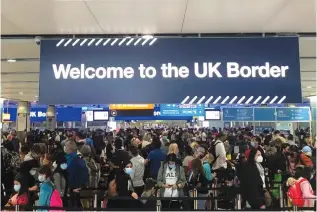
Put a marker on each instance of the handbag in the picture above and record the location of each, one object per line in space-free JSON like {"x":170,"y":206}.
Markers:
{"x":267,"y":198}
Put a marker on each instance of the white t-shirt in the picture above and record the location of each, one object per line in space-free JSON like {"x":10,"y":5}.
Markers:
{"x":170,"y":179}
{"x":221,"y":161}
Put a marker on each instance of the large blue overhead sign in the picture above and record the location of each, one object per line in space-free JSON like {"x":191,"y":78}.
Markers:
{"x":171,"y":70}
{"x":293,"y":114}
{"x":182,"y":110}
{"x":237,"y":114}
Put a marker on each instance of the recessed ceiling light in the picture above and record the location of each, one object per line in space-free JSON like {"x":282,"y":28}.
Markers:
{"x":36,"y":96}
{"x":11,"y":60}
{"x":147,"y":36}
{"x":21,"y":93}
{"x":308,"y":87}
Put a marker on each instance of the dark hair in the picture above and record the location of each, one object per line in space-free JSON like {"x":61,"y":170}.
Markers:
{"x":156,"y":143}
{"x":9,"y":146}
{"x":171,"y":157}
{"x":118,"y":143}
{"x":189,"y":150}
{"x":252,"y":154}
{"x":80,"y":135}
{"x":285,"y":145}
{"x":134,"y":151}
{"x":258,"y":139}
{"x":290,"y":137}
{"x":276,"y":132}
{"x":46,"y":170}
{"x":25,"y":149}
{"x":197,"y":165}
{"x":22,"y":179}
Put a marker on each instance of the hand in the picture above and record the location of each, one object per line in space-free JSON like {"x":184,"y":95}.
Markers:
{"x":279,"y":171}
{"x":166,"y":186}
{"x":134,"y":195}
{"x":262,"y":207}
{"x":76,"y":190}
{"x":174,"y":187}
{"x":33,"y":188}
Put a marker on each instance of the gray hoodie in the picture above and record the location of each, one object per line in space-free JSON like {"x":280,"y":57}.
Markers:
{"x":138,"y":168}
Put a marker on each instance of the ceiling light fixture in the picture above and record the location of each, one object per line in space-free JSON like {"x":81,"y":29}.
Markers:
{"x":21,"y":93}
{"x":11,"y":60}
{"x":147,"y":36}
{"x":308,"y":87}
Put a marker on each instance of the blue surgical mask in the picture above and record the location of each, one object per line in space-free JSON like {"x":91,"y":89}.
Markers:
{"x":128,"y":170}
{"x":17,"y":187}
{"x":164,"y":137}
{"x":64,"y":166}
{"x":171,"y":166}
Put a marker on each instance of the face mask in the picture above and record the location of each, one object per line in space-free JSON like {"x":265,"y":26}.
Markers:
{"x":54,"y":165}
{"x":128,"y":170}
{"x":171,"y":166}
{"x":65,"y":149}
{"x":41,"y":178}
{"x":17,"y":187}
{"x":32,"y":172}
{"x":164,"y":137}
{"x":311,"y":176}
{"x":308,"y":154}
{"x":252,"y":143}
{"x":259,"y":159}
{"x":64,"y":166}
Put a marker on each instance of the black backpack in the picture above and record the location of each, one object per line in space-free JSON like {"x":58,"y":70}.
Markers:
{"x":212,"y":150}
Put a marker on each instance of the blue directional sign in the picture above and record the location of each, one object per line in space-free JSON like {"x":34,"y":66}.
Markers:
{"x":182,"y":110}
{"x":238,"y":114}
{"x":292,"y":114}
{"x":260,"y":129}
{"x":264,"y":114}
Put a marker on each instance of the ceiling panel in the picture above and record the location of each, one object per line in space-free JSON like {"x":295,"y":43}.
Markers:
{"x":20,"y":77}
{"x":308,"y":65}
{"x":20,"y":67}
{"x":296,"y":16}
{"x":49,"y":17}
{"x":139,"y":16}
{"x":307,"y":47}
{"x":213,"y":16}
{"x":19,"y":48}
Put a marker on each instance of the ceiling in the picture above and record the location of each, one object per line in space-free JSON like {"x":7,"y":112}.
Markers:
{"x":20,"y":80}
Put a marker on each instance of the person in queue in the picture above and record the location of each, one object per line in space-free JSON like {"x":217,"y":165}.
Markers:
{"x":47,"y":186}
{"x":252,"y":180}
{"x":218,"y":152}
{"x":155,"y":157}
{"x":306,"y":156}
{"x":198,"y":180}
{"x":21,"y":192}
{"x":124,"y":188}
{"x":138,"y":170}
{"x":188,"y":158}
{"x":303,"y":175}
{"x":119,"y":155}
{"x":171,"y":179}
{"x":77,"y":173}
{"x":60,"y":175}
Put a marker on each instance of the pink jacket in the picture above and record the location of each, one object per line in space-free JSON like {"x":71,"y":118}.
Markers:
{"x":308,"y":194}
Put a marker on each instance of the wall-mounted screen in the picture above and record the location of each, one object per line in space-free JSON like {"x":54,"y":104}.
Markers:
{"x":212,"y":115}
{"x":89,"y":115}
{"x":101,"y":115}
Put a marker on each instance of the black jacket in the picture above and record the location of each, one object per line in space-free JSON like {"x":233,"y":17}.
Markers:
{"x":251,"y":185}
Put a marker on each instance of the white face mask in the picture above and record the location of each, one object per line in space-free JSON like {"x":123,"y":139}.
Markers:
{"x":41,"y":178}
{"x":54,"y":165}
{"x":32,"y":172}
{"x":259,"y":159}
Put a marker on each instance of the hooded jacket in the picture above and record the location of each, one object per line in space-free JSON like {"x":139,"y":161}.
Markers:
{"x":138,"y":167}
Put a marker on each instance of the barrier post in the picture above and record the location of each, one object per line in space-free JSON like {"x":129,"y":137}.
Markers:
{"x":95,"y":200}
{"x":238,"y":202}
{"x":17,"y":208}
{"x":215,"y":194}
{"x":195,"y":200}
{"x":295,"y":208}
{"x":281,"y":196}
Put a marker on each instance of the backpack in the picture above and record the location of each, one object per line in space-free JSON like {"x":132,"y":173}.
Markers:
{"x":212,"y":151}
{"x":93,"y":173}
{"x":295,"y":194}
{"x":55,"y":199}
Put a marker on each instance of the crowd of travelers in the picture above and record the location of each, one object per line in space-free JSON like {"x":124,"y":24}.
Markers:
{"x":66,"y":167}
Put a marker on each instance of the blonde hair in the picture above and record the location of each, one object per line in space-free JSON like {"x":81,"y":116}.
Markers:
{"x":173,"y":148}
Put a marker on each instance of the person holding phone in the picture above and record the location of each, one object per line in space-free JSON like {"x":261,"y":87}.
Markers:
{"x":171,"y":178}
